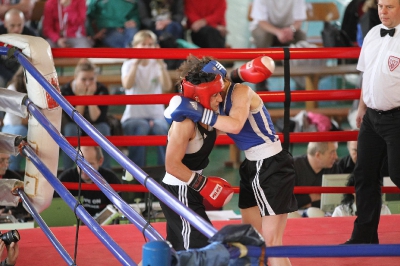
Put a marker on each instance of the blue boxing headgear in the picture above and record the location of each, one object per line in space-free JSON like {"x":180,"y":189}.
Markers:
{"x":215,"y":67}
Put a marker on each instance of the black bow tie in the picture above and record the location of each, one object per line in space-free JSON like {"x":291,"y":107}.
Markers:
{"x":390,"y":32}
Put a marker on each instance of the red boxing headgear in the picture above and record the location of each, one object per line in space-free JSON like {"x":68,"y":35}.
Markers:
{"x":203,"y":91}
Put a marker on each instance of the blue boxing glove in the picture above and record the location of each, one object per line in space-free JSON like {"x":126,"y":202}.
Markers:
{"x":181,"y":108}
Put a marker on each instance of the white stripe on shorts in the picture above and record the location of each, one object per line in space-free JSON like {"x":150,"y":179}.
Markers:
{"x":259,"y":194}
{"x":185,"y":224}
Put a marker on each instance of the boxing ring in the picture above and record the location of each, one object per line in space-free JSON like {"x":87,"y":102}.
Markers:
{"x":110,"y":144}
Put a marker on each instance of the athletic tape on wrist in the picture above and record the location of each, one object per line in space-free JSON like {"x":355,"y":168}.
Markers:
{"x":198,"y":182}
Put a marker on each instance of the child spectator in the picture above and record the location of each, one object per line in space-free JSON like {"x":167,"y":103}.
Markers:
{"x":145,"y":76}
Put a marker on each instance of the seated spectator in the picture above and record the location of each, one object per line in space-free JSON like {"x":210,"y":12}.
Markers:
{"x":85,"y":83}
{"x":165,"y":18}
{"x":346,"y":164}
{"x":112,"y":23}
{"x":162,"y":17}
{"x":13,"y":23}
{"x":206,"y":20}
{"x":12,"y":253}
{"x":19,"y":211}
{"x":64,"y":23}
{"x":276,"y":23}
{"x":94,"y":201}
{"x":348,"y":205}
{"x":145,"y":76}
{"x":14,"y":124}
{"x":26,"y":7}
{"x":320,"y":159}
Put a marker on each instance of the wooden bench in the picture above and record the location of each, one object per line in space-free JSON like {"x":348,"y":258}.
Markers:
{"x":108,"y":80}
{"x":312,"y":75}
{"x":99,"y":62}
{"x":114,"y":80}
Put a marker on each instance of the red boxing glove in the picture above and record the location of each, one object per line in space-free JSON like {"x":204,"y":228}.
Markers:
{"x":255,"y":71}
{"x":217,"y":191}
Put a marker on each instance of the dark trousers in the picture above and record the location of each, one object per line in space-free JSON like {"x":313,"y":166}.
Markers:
{"x":379,"y":137}
{"x":208,"y":37}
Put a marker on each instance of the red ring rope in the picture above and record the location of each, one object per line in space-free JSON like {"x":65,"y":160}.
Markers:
{"x":231,"y":54}
{"x":297,"y":190}
{"x":296,"y":96}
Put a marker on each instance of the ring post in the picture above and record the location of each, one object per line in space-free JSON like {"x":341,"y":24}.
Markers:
{"x":98,"y":231}
{"x":42,"y":224}
{"x":156,"y":253}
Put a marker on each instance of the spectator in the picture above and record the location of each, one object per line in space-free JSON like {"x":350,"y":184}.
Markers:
{"x":368,"y":20}
{"x":206,"y":20}
{"x":351,"y":16}
{"x":348,"y":206}
{"x":319,"y":160}
{"x":85,"y":83}
{"x":12,"y":253}
{"x":14,"y":124}
{"x":145,"y":76}
{"x":16,"y":210}
{"x":276,"y":23}
{"x":64,"y":24}
{"x":162,"y":17}
{"x":112,"y":23}
{"x":94,"y":201}
{"x":13,"y":23}
{"x":346,"y":164}
{"x":26,"y":7}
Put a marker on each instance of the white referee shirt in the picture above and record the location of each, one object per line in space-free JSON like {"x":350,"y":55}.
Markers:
{"x":380,"y":62}
{"x":282,"y":13}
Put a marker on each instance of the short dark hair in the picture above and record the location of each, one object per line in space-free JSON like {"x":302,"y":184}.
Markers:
{"x":193,"y":65}
{"x":197,"y":78}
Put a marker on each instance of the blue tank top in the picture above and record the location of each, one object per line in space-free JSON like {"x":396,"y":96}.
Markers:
{"x":258,"y":128}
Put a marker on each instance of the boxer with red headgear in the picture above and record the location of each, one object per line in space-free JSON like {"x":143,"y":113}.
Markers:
{"x":203,"y":92}
{"x":189,"y":145}
{"x":267,"y":175}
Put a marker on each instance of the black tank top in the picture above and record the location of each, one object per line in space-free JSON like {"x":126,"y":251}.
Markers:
{"x":199,"y":160}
